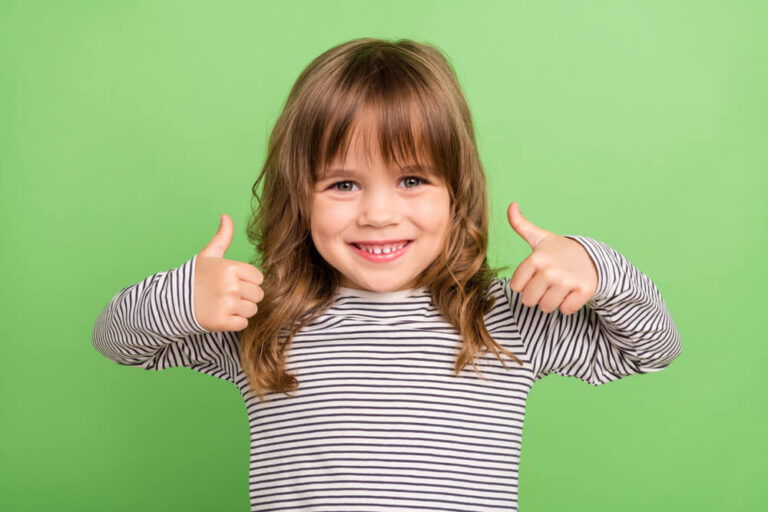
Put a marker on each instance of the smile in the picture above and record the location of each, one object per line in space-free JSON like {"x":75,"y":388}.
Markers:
{"x":384,"y":254}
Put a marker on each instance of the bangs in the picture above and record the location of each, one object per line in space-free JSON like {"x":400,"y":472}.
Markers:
{"x":396,"y":136}
{"x":391,"y":112}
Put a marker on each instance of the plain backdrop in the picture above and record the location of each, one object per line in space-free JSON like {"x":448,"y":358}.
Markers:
{"x":127,"y":128}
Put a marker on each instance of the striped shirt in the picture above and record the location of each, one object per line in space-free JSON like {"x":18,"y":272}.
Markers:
{"x":380,"y":420}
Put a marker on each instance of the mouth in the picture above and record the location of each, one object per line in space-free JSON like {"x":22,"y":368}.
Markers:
{"x":381,"y":251}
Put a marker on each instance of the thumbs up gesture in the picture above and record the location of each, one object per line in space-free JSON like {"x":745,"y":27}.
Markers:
{"x":226,"y":291}
{"x":558,"y":273}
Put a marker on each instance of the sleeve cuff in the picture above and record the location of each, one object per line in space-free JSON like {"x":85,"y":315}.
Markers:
{"x":606,"y":261}
{"x":182,"y":310}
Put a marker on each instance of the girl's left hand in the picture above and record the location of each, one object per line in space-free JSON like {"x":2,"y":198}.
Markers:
{"x":558,"y":273}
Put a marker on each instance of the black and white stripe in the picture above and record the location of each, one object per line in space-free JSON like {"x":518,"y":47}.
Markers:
{"x":380,"y":420}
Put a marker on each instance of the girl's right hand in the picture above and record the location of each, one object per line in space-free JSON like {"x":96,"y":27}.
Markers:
{"x":226,"y":291}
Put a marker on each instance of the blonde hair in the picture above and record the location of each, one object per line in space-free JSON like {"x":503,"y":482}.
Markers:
{"x":419,"y":112}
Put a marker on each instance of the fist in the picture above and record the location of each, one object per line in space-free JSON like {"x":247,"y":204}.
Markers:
{"x":559,"y":273}
{"x":226,"y":291}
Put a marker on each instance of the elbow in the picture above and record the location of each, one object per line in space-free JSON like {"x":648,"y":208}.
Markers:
{"x":651,"y":360}
{"x":98,"y":340}
{"x":103,"y":347}
{"x":658,"y":361}
{"x":662,"y":350}
{"x":105,"y":344}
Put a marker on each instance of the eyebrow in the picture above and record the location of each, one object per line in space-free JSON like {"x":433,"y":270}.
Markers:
{"x":350,"y":173}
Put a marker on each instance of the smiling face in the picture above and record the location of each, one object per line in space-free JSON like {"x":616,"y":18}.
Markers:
{"x":359,"y":203}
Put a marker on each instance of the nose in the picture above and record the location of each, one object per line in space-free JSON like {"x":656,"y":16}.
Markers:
{"x":380,"y":207}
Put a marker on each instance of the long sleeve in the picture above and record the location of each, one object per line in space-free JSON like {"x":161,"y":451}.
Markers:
{"x":624,"y":329}
{"x":152,"y":325}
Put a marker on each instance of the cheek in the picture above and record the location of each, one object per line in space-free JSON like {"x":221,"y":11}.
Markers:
{"x":328,"y":219}
{"x":433,"y":213}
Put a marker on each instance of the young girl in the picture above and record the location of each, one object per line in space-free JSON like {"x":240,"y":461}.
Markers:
{"x":350,"y":338}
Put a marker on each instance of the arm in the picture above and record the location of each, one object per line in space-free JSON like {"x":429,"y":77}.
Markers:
{"x":152,"y":325}
{"x":624,"y":329}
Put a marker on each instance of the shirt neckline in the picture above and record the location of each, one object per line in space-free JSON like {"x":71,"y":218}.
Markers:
{"x":380,"y":296}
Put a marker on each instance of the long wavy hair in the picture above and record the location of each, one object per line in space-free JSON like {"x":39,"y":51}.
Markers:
{"x":419,"y":113}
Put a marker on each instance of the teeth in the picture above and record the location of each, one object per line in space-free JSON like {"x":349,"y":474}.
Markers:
{"x":382,"y":250}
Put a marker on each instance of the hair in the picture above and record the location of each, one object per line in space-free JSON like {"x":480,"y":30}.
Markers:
{"x":419,"y":112}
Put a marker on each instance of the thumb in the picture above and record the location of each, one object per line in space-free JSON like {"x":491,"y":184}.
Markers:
{"x":221,"y":240}
{"x":529,"y":231}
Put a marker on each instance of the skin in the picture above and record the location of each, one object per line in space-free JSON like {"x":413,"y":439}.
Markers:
{"x":377,"y":203}
{"x":559,"y":272}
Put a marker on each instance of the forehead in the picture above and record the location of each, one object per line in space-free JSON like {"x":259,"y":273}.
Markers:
{"x":365,"y":150}
{"x":372,"y":139}
{"x":354,"y":172}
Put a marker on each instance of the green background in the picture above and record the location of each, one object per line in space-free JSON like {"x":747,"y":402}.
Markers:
{"x":127,"y":128}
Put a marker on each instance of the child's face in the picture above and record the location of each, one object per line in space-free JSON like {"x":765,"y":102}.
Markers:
{"x":372,"y":203}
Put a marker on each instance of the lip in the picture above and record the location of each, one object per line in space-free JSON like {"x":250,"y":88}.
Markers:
{"x":382,"y":258}
{"x":380,"y":242}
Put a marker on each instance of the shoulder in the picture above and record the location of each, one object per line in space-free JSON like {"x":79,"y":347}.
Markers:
{"x":499,"y":286}
{"x":499,"y":289}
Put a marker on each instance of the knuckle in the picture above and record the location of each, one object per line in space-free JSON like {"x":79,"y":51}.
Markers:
{"x":229,"y":303}
{"x":550,"y":273}
{"x":537,"y":259}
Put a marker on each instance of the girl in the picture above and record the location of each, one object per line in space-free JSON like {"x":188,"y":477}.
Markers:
{"x":349,"y":338}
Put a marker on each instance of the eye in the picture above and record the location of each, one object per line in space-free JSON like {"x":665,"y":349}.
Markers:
{"x":411,"y":182}
{"x":335,"y":185}
{"x":411,"y":179}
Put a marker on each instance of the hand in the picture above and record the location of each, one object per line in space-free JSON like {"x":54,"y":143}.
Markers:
{"x":226,"y":291}
{"x":558,"y":273}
